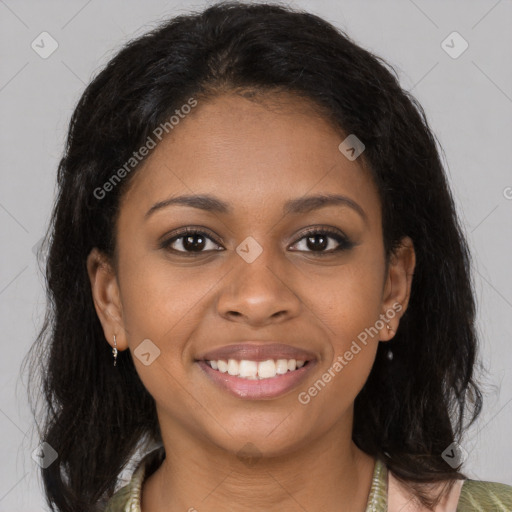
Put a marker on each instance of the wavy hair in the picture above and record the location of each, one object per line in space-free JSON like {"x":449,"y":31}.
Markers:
{"x":96,"y":415}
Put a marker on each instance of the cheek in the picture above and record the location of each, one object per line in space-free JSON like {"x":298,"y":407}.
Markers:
{"x":164,"y":303}
{"x":159,"y":306}
{"x":351,"y":308}
{"x":351,"y":300}
{"x":145,"y":293}
{"x":151,"y":296}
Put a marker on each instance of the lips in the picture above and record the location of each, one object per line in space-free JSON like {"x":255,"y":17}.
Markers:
{"x":257,"y":351}
{"x":264,"y":389}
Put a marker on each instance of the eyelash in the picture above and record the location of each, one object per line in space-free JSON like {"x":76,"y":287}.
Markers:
{"x":344,"y":243}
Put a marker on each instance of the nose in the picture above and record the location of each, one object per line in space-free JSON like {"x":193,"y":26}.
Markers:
{"x":258,"y":293}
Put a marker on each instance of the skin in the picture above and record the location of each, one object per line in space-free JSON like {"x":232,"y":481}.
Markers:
{"x":254,"y":155}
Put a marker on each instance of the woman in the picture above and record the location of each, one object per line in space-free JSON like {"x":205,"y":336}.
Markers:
{"x":258,"y":279}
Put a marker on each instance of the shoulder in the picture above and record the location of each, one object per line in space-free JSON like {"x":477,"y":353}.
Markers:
{"x":464,"y":495}
{"x":127,"y":498}
{"x":477,"y":495}
{"x":118,"y":501}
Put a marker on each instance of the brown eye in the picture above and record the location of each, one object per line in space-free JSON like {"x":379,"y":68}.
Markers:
{"x":323,"y":241}
{"x":190,"y":241}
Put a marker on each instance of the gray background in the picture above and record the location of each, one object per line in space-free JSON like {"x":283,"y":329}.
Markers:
{"x":468,"y":101}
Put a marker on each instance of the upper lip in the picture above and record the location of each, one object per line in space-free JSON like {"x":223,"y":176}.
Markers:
{"x":255,"y":351}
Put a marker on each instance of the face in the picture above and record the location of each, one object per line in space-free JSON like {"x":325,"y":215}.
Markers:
{"x":265,"y":265}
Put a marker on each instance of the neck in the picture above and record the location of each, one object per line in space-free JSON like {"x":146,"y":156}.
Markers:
{"x":329,"y":474}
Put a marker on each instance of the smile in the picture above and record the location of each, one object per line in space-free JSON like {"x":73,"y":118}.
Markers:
{"x":256,"y":379}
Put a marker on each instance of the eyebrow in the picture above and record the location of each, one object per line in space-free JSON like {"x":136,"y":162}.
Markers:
{"x":293,"y":206}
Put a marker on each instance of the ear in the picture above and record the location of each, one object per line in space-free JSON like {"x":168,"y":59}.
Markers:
{"x":106,"y":297}
{"x":397,"y":287}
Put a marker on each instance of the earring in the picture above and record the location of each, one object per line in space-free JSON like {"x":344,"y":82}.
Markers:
{"x":114,"y":350}
{"x":389,"y":353}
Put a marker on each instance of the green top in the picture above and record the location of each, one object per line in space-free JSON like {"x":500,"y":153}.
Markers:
{"x":475,"y":495}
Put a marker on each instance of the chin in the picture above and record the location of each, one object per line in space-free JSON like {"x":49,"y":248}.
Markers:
{"x":261,"y":440}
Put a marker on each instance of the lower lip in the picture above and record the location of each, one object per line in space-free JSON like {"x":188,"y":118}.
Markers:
{"x":258,"y":388}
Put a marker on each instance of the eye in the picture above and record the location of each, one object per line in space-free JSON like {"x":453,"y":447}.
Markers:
{"x":324,"y":241}
{"x":191,"y":241}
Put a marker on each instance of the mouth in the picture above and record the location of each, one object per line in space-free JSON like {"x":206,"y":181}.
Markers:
{"x":256,"y":380}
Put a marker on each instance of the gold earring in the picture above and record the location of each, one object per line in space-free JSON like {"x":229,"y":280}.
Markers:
{"x":114,"y":350}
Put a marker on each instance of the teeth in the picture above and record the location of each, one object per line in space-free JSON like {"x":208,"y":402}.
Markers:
{"x":254,"y":370}
{"x":248,"y":368}
{"x":266,"y":369}
{"x":222,"y":365}
{"x":281,"y":366}
{"x":233,"y":367}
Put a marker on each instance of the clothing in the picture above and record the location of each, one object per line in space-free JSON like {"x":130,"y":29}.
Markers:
{"x":385,"y":494}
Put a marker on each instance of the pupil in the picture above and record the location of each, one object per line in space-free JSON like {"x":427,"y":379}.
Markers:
{"x":189,"y":245}
{"x":323,"y":245}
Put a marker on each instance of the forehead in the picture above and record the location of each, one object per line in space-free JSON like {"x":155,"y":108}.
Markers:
{"x":251,"y":154}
